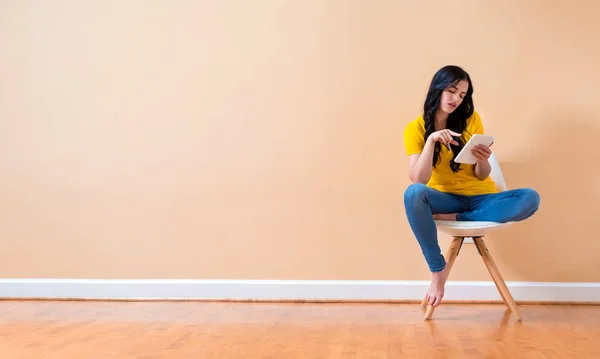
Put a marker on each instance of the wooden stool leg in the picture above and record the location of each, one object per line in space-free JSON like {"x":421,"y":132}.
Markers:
{"x":451,"y":254}
{"x":497,"y":277}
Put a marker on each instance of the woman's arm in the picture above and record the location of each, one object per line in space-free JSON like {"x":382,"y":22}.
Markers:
{"x":482,"y":170}
{"x":482,"y":167}
{"x":420,"y":166}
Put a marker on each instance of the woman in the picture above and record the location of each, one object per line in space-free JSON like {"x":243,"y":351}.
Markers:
{"x":443,"y":189}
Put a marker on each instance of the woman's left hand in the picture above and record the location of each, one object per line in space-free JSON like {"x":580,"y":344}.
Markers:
{"x":482,"y":153}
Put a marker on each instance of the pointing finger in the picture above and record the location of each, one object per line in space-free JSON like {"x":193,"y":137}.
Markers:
{"x":448,"y":137}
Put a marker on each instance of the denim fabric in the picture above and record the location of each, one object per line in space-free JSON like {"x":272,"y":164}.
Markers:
{"x":422,"y":202}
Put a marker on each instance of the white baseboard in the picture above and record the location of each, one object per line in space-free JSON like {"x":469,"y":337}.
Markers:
{"x":289,"y":290}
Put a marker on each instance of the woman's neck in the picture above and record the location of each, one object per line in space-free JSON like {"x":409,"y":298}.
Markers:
{"x":440,"y":119}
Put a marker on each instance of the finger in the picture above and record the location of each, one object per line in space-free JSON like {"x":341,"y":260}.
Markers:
{"x":477,"y":154}
{"x":481,"y":157}
{"x":431,"y":299}
{"x":485,"y":152}
{"x":451,"y":141}
{"x":454,"y":133}
{"x":448,"y":137}
{"x":477,"y":151}
{"x":484,"y":149}
{"x":437,"y":301}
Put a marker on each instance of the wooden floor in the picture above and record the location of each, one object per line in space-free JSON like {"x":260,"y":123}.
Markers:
{"x":153,"y":330}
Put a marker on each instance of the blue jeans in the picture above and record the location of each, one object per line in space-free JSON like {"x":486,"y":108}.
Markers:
{"x":422,"y":202}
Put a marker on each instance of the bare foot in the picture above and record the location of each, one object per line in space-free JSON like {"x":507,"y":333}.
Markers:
{"x":445,"y":216}
{"x":435,"y":293}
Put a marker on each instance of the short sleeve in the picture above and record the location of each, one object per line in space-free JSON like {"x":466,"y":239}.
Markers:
{"x":414,"y":137}
{"x":476,"y":125}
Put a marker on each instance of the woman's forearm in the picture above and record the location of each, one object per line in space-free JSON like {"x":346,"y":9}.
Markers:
{"x":420,"y":172}
{"x":482,"y":170}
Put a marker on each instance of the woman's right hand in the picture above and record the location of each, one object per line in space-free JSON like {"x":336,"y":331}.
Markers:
{"x":444,"y":137}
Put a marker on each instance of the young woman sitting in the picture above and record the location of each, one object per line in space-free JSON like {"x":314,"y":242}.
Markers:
{"x":443,"y":189}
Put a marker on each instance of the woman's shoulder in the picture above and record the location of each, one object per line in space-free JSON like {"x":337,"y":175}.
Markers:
{"x":414,"y":133}
{"x":416,"y":125}
{"x":474,"y":123}
{"x":474,"y":117}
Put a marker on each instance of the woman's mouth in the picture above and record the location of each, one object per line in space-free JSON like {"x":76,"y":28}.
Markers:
{"x":453,"y":105}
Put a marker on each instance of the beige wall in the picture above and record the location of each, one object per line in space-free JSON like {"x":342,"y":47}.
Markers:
{"x":263,"y":139}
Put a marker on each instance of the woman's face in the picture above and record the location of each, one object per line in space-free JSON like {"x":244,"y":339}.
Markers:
{"x":453,"y":96}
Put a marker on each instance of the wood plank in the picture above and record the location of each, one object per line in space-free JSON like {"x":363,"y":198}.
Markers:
{"x":46,"y":329}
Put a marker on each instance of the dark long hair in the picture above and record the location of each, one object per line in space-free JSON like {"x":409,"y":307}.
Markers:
{"x":457,"y":121}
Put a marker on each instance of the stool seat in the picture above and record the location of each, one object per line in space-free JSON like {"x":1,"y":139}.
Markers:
{"x":468,"y":228}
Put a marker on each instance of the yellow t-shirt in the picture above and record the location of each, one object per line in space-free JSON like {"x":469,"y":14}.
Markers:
{"x":463,"y":182}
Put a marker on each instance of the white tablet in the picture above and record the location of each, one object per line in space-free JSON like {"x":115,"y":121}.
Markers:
{"x":465,"y":155}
